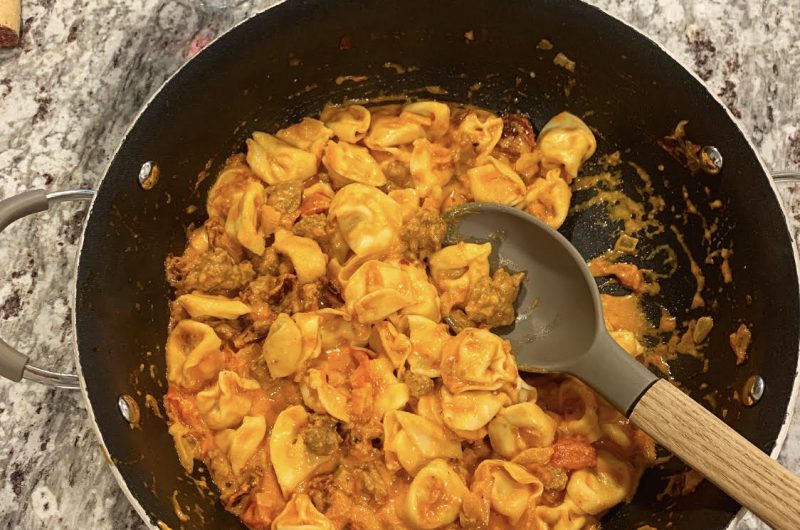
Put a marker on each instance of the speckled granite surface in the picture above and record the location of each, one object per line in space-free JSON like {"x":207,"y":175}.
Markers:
{"x":68,"y":93}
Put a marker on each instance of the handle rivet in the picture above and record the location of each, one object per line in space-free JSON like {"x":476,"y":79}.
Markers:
{"x":710,"y":159}
{"x":753,"y":390}
{"x":128,"y":408}
{"x":148,"y":175}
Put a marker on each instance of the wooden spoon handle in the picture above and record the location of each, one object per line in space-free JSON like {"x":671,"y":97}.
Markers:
{"x":721,"y":454}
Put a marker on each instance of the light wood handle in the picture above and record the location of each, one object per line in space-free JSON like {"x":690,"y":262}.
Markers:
{"x":9,"y":23}
{"x":721,"y":454}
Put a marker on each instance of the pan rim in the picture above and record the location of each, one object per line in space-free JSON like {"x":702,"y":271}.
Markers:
{"x":121,"y":482}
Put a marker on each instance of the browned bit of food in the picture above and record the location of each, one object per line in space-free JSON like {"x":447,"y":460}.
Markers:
{"x":517,"y":137}
{"x":740,"y":342}
{"x":681,"y":484}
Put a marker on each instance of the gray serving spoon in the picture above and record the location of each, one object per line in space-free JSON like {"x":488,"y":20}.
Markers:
{"x":560,"y":328}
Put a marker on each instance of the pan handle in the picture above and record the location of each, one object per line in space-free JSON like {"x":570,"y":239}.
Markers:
{"x":786,"y":176}
{"x":14,"y":365}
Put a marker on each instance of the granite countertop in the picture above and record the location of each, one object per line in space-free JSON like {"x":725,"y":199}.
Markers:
{"x":67,"y":94}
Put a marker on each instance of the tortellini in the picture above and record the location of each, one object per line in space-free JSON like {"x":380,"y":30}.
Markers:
{"x":338,"y":328}
{"x":292,"y":461}
{"x":300,"y":514}
{"x":426,"y":298}
{"x":275,"y":161}
{"x":578,"y":406}
{"x":434,"y":497}
{"x":455,"y":268}
{"x":386,"y":340}
{"x":548,"y":199}
{"x":243,"y":219}
{"x":431,"y":166}
{"x":200,"y":305}
{"x":565,"y":141}
{"x":224,"y":405}
{"x":390,"y":394}
{"x":595,"y":491}
{"x":321,"y":396}
{"x":564,"y":516}
{"x":427,"y":338}
{"x":483,"y":132}
{"x":520,"y":427}
{"x":194,"y":354}
{"x":242,"y":443}
{"x":495,"y":181}
{"x":349,"y":123}
{"x":367,"y":218}
{"x":307,"y":258}
{"x":352,"y":388}
{"x":291,"y":342}
{"x":229,"y":186}
{"x":411,"y":441}
{"x":377,"y":290}
{"x":510,"y":489}
{"x":468,"y":413}
{"x":309,"y":135}
{"x":477,"y":359}
{"x":393,"y":131}
{"x":351,"y":163}
{"x":437,"y":113}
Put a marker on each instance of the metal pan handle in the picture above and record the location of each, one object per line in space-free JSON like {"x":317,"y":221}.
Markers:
{"x":786,"y":176}
{"x":14,"y":365}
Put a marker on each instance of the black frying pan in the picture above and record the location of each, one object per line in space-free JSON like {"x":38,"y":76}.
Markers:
{"x":281,"y":65}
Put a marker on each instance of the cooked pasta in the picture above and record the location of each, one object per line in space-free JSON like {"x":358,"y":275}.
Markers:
{"x":308,"y":362}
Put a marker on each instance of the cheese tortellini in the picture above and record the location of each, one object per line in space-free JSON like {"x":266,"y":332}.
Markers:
{"x":309,"y":363}
{"x":495,"y":181}
{"x":194,"y":354}
{"x":520,"y":427}
{"x":276,"y":161}
{"x":367,"y":219}
{"x":412,"y":441}
{"x":225,"y":404}
{"x":566,"y":142}
{"x":434,"y":497}
{"x":455,"y":268}
{"x":300,"y":513}
{"x":291,"y":342}
{"x":611,"y":482}
{"x":291,"y":458}
{"x":476,"y":359}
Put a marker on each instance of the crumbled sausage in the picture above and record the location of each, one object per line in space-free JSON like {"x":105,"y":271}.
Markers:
{"x":286,"y":196}
{"x":418,"y":385}
{"x":491,"y":300}
{"x":314,"y":226}
{"x":423,"y":233}
{"x":213,"y":272}
{"x":320,"y":436}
